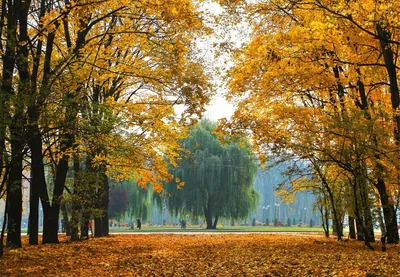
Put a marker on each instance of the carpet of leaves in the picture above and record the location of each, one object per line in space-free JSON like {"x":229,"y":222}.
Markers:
{"x":202,"y":255}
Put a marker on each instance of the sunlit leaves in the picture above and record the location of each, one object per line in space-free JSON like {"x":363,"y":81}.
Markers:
{"x":203,"y":255}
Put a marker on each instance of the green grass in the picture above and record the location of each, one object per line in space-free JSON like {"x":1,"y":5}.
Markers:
{"x":232,"y":229}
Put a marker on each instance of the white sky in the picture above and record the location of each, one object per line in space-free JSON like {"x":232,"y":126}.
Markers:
{"x":219,"y":108}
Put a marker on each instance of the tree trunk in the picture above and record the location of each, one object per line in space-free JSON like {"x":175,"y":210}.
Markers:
{"x":208,"y":217}
{"x":33,"y":222}
{"x":369,"y":226}
{"x":334,"y":228}
{"x":3,"y":229}
{"x":50,"y":225}
{"x":325,"y":223}
{"x":104,"y":204}
{"x":85,"y":228}
{"x":392,"y":234}
{"x":14,"y":193}
{"x":98,"y":228}
{"x":38,"y":181}
{"x":13,"y":187}
{"x":360,"y":234}
{"x":75,"y":221}
{"x":388,"y":55}
{"x":361,"y":228}
{"x":67,"y":225}
{"x":76,"y":200}
{"x":50,"y":228}
{"x":352,"y":230}
{"x":215,"y":222}
{"x":337,"y":222}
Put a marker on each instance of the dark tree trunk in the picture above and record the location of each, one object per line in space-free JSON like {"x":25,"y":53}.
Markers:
{"x":50,"y":229}
{"x":388,"y":55}
{"x":66,"y":224}
{"x":13,"y":187}
{"x":362,"y":231}
{"x":369,"y":225}
{"x":334,"y":228}
{"x":215,"y":222}
{"x":104,"y":205}
{"x":75,"y":221}
{"x":325,"y":220}
{"x":208,"y":217}
{"x":85,"y":228}
{"x":3,"y":229}
{"x":50,"y":225}
{"x":38,"y":182}
{"x":76,"y":200}
{"x":98,"y":221}
{"x":360,"y":234}
{"x":14,"y":193}
{"x":33,"y":223}
{"x":390,"y":64}
{"x":392,"y":234}
{"x":337,"y":223}
{"x":98,"y":227}
{"x":388,"y":209}
{"x":352,"y":230}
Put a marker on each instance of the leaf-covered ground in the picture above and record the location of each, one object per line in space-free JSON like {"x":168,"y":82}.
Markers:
{"x":202,"y":255}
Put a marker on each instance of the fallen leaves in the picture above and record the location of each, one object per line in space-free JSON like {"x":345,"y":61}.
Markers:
{"x":202,"y":255}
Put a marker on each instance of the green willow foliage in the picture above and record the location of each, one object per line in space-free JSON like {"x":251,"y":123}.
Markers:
{"x":218,"y":177}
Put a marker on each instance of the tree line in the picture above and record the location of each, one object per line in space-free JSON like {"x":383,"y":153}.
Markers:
{"x":317,"y":85}
{"x":87,"y":94}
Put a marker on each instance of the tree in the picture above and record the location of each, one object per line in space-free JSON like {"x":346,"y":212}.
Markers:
{"x":213,"y":179}
{"x":115,"y":69}
{"x":320,"y":82}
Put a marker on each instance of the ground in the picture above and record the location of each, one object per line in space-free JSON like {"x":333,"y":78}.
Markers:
{"x":209,"y":254}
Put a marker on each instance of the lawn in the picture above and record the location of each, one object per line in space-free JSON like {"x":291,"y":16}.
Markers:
{"x":202,"y":255}
{"x":155,"y":229}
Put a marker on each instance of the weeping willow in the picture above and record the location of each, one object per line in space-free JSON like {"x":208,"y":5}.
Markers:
{"x":129,"y":201}
{"x":218,"y":178}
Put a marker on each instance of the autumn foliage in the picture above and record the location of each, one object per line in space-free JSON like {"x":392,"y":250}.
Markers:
{"x":202,"y":255}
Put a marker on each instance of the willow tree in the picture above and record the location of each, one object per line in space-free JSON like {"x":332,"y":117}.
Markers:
{"x":213,"y":179}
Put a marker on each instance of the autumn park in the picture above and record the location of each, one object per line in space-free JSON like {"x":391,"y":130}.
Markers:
{"x":199,"y":138}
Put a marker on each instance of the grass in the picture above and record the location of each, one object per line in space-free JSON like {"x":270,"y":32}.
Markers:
{"x":155,"y":229}
{"x":193,"y":229}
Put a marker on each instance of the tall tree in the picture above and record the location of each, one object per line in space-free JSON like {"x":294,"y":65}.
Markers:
{"x":115,"y":70}
{"x":213,"y":179}
{"x":320,"y":82}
